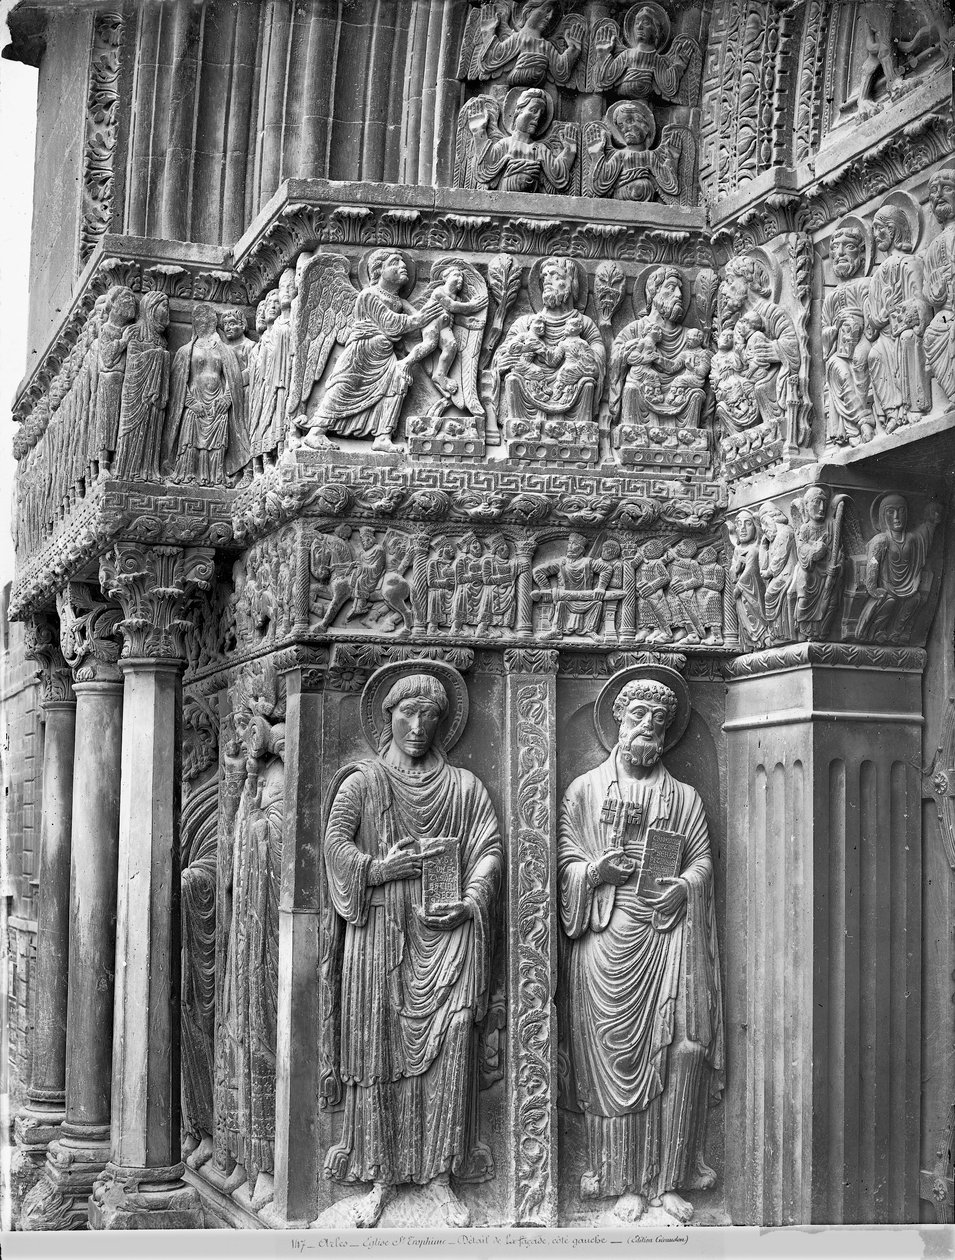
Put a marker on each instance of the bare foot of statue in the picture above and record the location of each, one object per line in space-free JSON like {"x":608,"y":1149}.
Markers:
{"x":369,"y":1208}
{"x":590,"y":1185}
{"x":189,"y":1144}
{"x":201,"y":1154}
{"x":264,"y":1191}
{"x":703,"y":1178}
{"x":630,"y":1207}
{"x":676,"y":1206}
{"x":315,"y":440}
{"x":455,"y":1212}
{"x":383,"y":443}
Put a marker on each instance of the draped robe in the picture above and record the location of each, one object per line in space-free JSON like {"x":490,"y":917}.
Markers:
{"x":410,"y":995}
{"x":633,"y":981}
{"x":895,"y":564}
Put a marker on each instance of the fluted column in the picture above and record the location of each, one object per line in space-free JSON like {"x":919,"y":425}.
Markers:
{"x":141,"y":1186}
{"x":823,"y":903}
{"x":38,"y":1122}
{"x":531,"y":778}
{"x":79,"y":1152}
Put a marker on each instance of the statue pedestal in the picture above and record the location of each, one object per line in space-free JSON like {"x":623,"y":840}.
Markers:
{"x":823,"y":923}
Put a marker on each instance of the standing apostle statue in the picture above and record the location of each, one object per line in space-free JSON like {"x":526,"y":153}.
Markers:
{"x":407,"y":975}
{"x":640,"y":980}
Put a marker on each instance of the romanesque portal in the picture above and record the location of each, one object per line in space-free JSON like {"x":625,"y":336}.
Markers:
{"x":482,"y":499}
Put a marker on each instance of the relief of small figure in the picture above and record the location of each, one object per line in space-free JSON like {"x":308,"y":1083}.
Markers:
{"x":145,"y":392}
{"x":747,"y":582}
{"x":207,"y":437}
{"x":232,"y":327}
{"x":639,"y":996}
{"x":895,"y":570}
{"x":843,"y":323}
{"x":526,"y":54}
{"x":652,"y":576}
{"x":636,"y":66}
{"x":897,"y":316}
{"x":577,"y":593}
{"x":620,"y":159}
{"x":777,"y":567}
{"x":440,"y":578}
{"x":817,"y":590}
{"x":410,"y":969}
{"x":121,"y":308}
{"x":710,"y":595}
{"x":515,"y":148}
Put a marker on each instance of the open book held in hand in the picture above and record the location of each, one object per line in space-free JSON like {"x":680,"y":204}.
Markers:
{"x":440,"y":872}
{"x":661,"y":860}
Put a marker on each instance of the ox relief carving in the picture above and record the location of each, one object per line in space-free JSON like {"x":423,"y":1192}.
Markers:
{"x":366,"y":387}
{"x":413,"y":859}
{"x":547,"y":375}
{"x":811,"y":575}
{"x":639,"y":991}
{"x":250,"y":855}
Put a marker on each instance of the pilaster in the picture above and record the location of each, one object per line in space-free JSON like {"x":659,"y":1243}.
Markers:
{"x":38,"y":1122}
{"x":531,"y":825}
{"x":823,"y":920}
{"x":141,"y":1185}
{"x":81,"y":1146}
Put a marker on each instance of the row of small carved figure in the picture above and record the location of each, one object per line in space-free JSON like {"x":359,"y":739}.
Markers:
{"x":888,"y":336}
{"x":390,"y":582}
{"x":794,"y":578}
{"x":507,"y":138}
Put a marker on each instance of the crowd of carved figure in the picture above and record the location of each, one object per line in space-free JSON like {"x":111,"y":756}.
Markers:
{"x":526,"y":130}
{"x":888,"y":330}
{"x":412,"y":996}
{"x":811,"y":576}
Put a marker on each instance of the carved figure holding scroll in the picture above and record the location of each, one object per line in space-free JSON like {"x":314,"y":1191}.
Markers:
{"x":526,"y":155}
{"x":412,"y":855}
{"x":207,"y":433}
{"x":896,"y":560}
{"x":621,"y":160}
{"x":897,"y":315}
{"x":112,"y":347}
{"x":939,"y":281}
{"x":145,"y":391}
{"x":366,"y":388}
{"x":525,"y":53}
{"x":639,"y":991}
{"x":637,"y":66}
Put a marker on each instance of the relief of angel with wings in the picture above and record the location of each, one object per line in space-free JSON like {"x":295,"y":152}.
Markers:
{"x":526,"y":43}
{"x":516,"y":147}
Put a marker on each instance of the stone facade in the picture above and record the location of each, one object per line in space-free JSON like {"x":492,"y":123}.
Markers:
{"x":482,"y":510}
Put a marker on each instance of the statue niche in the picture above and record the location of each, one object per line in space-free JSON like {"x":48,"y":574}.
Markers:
{"x":639,"y":991}
{"x":413,"y":857}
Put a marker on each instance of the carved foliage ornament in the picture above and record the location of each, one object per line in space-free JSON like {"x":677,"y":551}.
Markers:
{"x":101,"y":129}
{"x":43,"y":646}
{"x":154,"y":586}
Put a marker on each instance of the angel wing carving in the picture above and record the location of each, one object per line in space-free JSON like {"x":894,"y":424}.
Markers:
{"x":326,"y":304}
{"x":465,"y":153}
{"x":680,"y":141}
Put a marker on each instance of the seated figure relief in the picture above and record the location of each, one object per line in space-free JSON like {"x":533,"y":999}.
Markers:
{"x":516,"y":147}
{"x":939,"y":284}
{"x":412,"y":857}
{"x":639,"y":990}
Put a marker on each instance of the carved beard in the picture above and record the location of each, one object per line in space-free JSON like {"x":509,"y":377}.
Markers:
{"x":638,"y":751}
{"x":670,"y":308}
{"x":554,"y":298}
{"x":846,"y":268}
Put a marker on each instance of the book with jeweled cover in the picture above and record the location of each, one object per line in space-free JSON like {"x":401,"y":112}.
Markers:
{"x":661,"y":860}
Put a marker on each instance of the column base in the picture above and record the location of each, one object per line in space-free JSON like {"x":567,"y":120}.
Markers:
{"x":34,"y":1128}
{"x":59,"y":1199}
{"x":144,"y":1198}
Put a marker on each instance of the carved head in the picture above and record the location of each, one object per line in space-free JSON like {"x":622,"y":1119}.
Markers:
{"x":941,"y":196}
{"x":847,"y":252}
{"x":388,"y":268}
{"x":770,"y":518}
{"x":537,"y":15}
{"x":154,"y":312}
{"x":635,"y":122}
{"x":816,"y":503}
{"x":576,"y":546}
{"x":260,"y":320}
{"x":645,"y":709}
{"x":740,"y":277}
{"x":610,"y":550}
{"x":287,"y":288}
{"x":121,"y":303}
{"x":530,"y":111}
{"x":232,"y":323}
{"x":891,"y":229}
{"x":499,"y":547}
{"x":366,"y":536}
{"x":665,"y":293}
{"x":558,"y":282}
{"x":413,"y":708}
{"x":647,"y":29}
{"x":654,"y":549}
{"x":708,"y":555}
{"x":204,"y":319}
{"x":746,"y":527}
{"x":455,"y":280}
{"x":686,"y":549}
{"x":893,"y":514}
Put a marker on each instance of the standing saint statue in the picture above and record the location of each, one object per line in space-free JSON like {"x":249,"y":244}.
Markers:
{"x":145,"y":391}
{"x":413,"y":858}
{"x":641,"y":1001}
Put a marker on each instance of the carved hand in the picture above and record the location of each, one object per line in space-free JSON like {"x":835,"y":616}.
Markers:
{"x":672,"y":899}
{"x":599,"y":145}
{"x":763,"y":354}
{"x":490,"y":22}
{"x":574,"y":36}
{"x":398,"y":863}
{"x":614,"y":867}
{"x":605,"y":41}
{"x":450,"y":914}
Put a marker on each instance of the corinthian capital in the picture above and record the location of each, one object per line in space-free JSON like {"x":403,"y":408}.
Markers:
{"x":154,"y":586}
{"x":43,"y":646}
{"x":89,"y":637}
